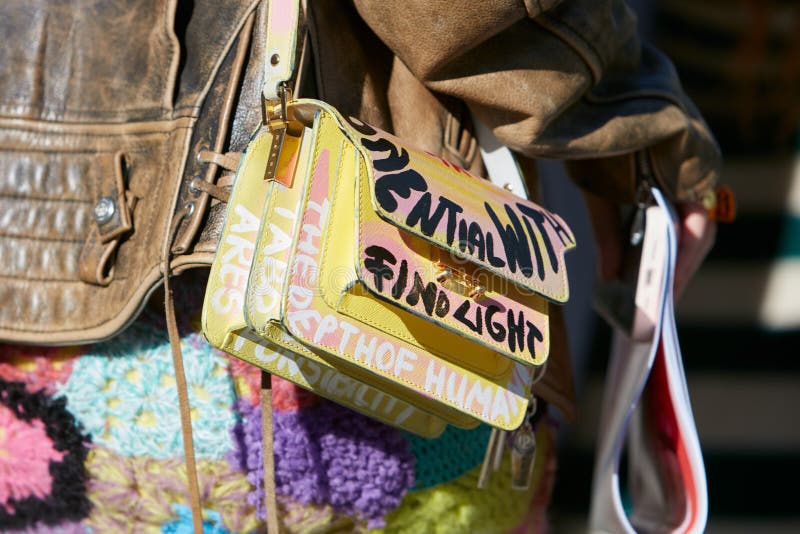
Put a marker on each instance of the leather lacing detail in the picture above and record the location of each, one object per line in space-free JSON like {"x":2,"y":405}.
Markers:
{"x":214,"y":157}
{"x":228,"y":161}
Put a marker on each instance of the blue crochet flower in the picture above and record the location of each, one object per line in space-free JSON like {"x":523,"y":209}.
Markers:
{"x":183,"y":525}
{"x":124,"y":393}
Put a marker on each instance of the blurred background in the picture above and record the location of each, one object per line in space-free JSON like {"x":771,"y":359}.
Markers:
{"x":740,"y":318}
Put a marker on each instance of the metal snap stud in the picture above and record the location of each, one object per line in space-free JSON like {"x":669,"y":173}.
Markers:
{"x":104,"y":210}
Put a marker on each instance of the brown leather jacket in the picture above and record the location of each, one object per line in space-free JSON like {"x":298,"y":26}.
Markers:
{"x":115,"y":117}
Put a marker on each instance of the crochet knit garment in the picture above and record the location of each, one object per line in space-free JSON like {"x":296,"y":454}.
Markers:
{"x":90,"y":442}
{"x":319,"y":458}
{"x":42,"y":454}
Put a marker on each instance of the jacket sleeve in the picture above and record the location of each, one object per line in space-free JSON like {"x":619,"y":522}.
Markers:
{"x":558,"y":79}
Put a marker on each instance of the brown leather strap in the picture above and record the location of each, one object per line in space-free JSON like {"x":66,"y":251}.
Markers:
{"x":211,"y":189}
{"x":228,"y":160}
{"x":270,"y":499}
{"x":113,"y":218}
{"x":180,"y":378}
{"x":183,"y":404}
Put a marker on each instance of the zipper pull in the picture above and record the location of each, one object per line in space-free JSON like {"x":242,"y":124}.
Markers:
{"x":523,"y":452}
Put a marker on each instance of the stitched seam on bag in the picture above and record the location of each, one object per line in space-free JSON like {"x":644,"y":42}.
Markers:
{"x":284,"y":343}
{"x":327,"y":240}
{"x":392,"y":378}
{"x":270,"y":209}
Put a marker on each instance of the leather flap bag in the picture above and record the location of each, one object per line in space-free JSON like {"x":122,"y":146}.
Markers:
{"x":252,"y":201}
{"x":390,"y":265}
{"x":381,"y":262}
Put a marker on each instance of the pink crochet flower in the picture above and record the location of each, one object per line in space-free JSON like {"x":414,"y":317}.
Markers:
{"x":38,"y":367}
{"x":25,"y":455}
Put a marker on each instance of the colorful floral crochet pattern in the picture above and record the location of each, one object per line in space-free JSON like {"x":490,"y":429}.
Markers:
{"x":25,"y":456}
{"x":39,"y":368}
{"x":183,"y":525}
{"x":124,"y":394}
{"x":90,"y":442}
{"x":42,"y":452}
{"x":142,"y":491}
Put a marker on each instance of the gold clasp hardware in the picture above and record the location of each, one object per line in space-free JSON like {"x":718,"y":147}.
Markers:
{"x":459,"y":281}
{"x":277,"y":116}
{"x":275,"y":112}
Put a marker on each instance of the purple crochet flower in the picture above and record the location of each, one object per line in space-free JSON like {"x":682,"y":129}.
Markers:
{"x":328,"y":454}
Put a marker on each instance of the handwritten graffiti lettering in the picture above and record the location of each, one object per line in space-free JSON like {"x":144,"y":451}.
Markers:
{"x":398,"y":281}
{"x":519,"y":241}
{"x":361,"y":127}
{"x":515,"y":246}
{"x":396,"y":160}
{"x":325,"y":380}
{"x":238,"y":253}
{"x":400,"y":184}
{"x":421,"y":215}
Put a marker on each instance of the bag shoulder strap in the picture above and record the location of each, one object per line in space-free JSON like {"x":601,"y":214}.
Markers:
{"x":283,"y":24}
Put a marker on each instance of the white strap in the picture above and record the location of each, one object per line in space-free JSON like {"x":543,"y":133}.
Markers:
{"x":283,"y":18}
{"x":499,"y":161}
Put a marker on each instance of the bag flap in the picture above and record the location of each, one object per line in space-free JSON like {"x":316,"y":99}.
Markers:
{"x":408,"y":272}
{"x":468,"y":218}
{"x":420,"y":248}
